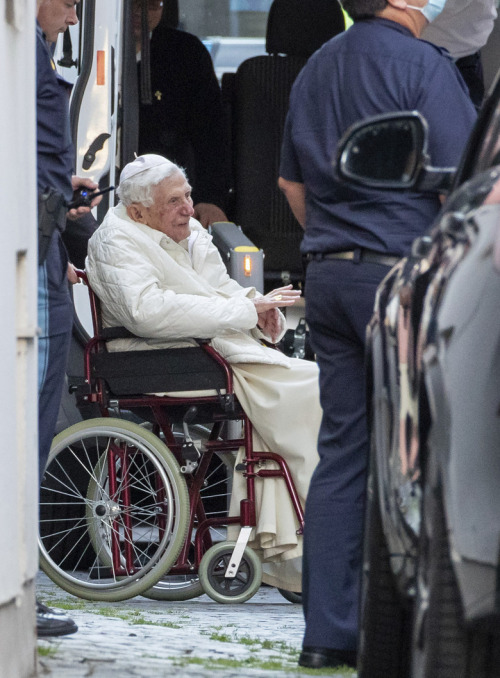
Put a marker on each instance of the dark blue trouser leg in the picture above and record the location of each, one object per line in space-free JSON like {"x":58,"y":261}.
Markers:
{"x":339,"y":303}
{"x":55,"y":319}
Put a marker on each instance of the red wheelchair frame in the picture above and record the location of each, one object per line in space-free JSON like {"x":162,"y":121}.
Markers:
{"x":163,"y":411}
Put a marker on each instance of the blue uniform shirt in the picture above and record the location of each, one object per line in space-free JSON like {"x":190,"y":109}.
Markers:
{"x":55,"y":152}
{"x":374,"y":67}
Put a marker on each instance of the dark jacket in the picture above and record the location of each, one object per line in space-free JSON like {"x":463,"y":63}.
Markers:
{"x":185,"y":120}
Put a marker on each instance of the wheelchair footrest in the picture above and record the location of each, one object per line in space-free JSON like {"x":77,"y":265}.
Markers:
{"x":237,"y":555}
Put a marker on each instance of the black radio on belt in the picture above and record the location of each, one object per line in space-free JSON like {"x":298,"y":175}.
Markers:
{"x":52,"y":210}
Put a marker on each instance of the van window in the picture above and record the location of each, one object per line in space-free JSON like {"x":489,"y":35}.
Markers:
{"x":224,"y":18}
{"x":232,"y":30}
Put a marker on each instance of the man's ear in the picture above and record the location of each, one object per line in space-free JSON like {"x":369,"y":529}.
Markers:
{"x":136,"y":213}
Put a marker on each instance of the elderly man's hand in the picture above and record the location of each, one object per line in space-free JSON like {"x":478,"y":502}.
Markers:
{"x":281,"y":296}
{"x":207,"y":214}
{"x":79,"y":182}
{"x":270,"y":323}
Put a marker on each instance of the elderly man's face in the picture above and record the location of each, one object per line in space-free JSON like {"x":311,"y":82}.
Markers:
{"x":54,"y":16}
{"x":172,"y":208}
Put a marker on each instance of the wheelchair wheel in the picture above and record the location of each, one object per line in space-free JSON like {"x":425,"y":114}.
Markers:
{"x":291,"y":596}
{"x":215,"y":496}
{"x":114,"y":510}
{"x":242,"y":587}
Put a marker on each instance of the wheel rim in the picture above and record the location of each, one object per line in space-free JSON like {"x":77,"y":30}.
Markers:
{"x":141,"y":528}
{"x":233,"y":586}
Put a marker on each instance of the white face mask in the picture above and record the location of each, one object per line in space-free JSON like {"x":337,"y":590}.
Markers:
{"x":431,"y":10}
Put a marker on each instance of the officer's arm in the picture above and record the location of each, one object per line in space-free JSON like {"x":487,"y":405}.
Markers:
{"x":295,"y":193}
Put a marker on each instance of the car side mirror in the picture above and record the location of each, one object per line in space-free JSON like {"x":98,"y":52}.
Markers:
{"x":389,"y":152}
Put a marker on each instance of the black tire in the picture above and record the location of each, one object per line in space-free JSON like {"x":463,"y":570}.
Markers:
{"x":239,"y":589}
{"x":291,"y":596}
{"x":441,"y":646}
{"x":384,"y":622}
{"x":144,"y":519}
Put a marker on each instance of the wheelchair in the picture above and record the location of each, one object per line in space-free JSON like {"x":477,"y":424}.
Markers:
{"x":135,"y":502}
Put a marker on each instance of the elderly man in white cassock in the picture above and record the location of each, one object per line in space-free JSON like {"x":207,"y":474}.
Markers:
{"x":157,"y":273}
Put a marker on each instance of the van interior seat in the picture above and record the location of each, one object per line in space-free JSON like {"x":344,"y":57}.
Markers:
{"x":256,"y":99}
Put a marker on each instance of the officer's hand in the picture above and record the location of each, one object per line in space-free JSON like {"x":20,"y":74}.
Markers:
{"x":72,"y":277}
{"x":79,"y":182}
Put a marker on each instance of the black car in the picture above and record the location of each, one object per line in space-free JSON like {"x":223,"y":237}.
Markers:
{"x":430,"y":604}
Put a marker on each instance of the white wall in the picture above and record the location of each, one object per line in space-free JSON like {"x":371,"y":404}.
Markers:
{"x":18,"y":391}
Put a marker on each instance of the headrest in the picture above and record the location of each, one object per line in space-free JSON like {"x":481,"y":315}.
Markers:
{"x":300,"y":27}
{"x":170,"y":16}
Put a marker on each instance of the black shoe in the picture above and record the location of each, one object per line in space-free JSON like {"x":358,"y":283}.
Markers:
{"x":325,"y":657}
{"x":52,"y":623}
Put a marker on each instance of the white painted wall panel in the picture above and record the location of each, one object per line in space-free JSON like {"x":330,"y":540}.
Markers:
{"x":18,"y":391}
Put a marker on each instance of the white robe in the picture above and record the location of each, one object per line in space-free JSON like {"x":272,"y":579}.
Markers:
{"x":283,"y":404}
{"x":167,"y":292}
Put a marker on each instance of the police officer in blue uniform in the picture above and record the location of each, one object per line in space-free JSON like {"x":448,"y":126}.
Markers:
{"x":55,"y":162}
{"x":353,"y":236}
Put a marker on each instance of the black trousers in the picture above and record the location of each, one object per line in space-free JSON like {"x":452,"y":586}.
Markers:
{"x":339,"y":304}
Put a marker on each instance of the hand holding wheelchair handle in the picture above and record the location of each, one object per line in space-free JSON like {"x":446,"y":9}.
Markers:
{"x":267,"y":305}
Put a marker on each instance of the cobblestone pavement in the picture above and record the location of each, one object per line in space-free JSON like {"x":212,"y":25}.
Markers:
{"x":142,"y":638}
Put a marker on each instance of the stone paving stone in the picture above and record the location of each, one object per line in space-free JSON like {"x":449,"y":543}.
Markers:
{"x":125,"y":639}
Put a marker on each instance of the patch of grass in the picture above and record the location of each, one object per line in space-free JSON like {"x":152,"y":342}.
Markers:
{"x":246,"y":640}
{"x":261,"y":664}
{"x":278,"y":645}
{"x":47,"y":650}
{"x":134,"y":617}
{"x":110,"y":612}
{"x":149,"y":622}
{"x":221,"y":637}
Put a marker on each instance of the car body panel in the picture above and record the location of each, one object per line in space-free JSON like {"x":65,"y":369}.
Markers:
{"x":434,"y":381}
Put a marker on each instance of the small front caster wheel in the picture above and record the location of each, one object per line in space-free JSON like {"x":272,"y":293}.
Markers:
{"x":236,"y":589}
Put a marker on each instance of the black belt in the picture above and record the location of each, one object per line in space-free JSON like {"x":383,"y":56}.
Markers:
{"x":359,"y":255}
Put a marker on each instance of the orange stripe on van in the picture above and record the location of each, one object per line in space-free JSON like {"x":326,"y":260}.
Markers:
{"x":101,"y":67}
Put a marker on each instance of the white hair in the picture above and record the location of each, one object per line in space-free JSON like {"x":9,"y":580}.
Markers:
{"x":139,"y":188}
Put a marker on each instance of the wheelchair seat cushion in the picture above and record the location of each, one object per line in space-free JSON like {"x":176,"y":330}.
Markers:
{"x":164,"y":370}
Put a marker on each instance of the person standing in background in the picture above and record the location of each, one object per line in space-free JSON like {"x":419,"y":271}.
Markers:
{"x":55,"y":162}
